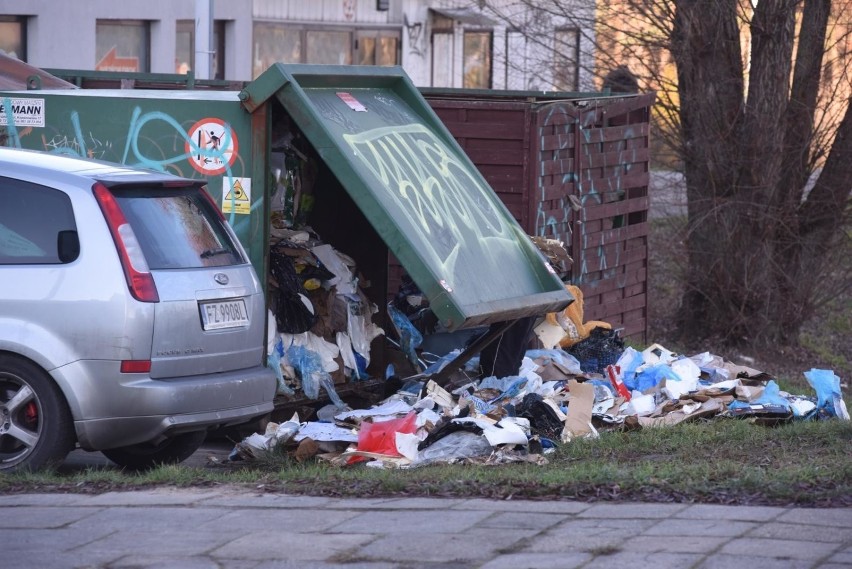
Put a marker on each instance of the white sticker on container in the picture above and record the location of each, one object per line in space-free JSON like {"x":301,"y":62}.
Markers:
{"x":24,"y":112}
{"x":236,"y":195}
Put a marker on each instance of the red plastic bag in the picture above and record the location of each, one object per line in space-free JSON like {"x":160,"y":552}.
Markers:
{"x":380,"y":438}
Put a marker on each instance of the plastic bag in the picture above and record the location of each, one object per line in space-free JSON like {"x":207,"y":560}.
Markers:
{"x":409,"y":337}
{"x":380,"y":438}
{"x":829,"y":398}
{"x":309,"y":365}
{"x":559,"y":357}
{"x":602,"y":348}
{"x":651,"y":377}
{"x":772,"y":396}
{"x":273,"y":361}
{"x":629,"y":361}
{"x":454,"y":447}
{"x":294,"y":312}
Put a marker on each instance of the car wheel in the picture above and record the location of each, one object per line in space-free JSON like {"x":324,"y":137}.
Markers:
{"x":144,"y":456}
{"x":36,"y":427}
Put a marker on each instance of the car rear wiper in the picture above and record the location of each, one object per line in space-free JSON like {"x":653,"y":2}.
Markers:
{"x":213,"y":252}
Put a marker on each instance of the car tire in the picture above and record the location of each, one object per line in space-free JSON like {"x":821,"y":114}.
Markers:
{"x":36,"y":426}
{"x":145,"y":456}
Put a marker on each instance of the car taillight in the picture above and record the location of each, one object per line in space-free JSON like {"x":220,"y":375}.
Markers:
{"x":135,"y":366}
{"x":139,"y":278}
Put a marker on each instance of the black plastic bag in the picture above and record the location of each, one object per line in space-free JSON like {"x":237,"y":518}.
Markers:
{"x":294,"y":312}
{"x":602,"y":348}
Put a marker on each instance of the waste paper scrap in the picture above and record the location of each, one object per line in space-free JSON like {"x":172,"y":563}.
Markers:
{"x":555,"y":399}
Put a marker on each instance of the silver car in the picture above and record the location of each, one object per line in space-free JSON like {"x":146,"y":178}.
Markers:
{"x":131,"y":321}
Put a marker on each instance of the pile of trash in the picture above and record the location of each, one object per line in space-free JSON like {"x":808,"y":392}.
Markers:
{"x":581,"y":382}
{"x":557,"y":397}
{"x":320,"y":322}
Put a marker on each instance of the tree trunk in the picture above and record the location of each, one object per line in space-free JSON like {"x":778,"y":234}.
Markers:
{"x":705,"y":45}
{"x":755,"y":252}
{"x":827,"y":208}
{"x":795,"y":300}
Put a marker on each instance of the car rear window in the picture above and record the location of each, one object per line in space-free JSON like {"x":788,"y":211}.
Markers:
{"x":177,"y":228}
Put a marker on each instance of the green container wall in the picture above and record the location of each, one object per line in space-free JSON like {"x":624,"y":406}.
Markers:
{"x":167,"y":131}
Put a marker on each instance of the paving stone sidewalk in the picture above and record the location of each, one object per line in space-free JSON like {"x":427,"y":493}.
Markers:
{"x":233,"y":528}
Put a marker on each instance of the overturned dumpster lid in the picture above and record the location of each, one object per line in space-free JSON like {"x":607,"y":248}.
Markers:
{"x":418,"y":188}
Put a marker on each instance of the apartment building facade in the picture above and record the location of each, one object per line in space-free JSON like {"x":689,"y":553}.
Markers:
{"x":439,"y":43}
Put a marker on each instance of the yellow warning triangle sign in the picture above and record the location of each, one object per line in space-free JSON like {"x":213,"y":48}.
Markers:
{"x":237,"y":193}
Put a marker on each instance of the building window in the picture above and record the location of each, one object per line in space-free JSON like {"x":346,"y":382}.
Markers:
{"x":442,"y":50}
{"x":13,"y":36}
{"x":279,"y":43}
{"x":477,"y":60}
{"x":329,"y":47}
{"x":566,"y":54}
{"x":373,"y":47}
{"x":185,"y":48}
{"x":122,"y":45}
{"x":275,"y":44}
{"x":516,"y":60}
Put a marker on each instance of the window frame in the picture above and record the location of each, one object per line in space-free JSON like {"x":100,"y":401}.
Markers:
{"x":145,"y":25}
{"x":188,"y":26}
{"x":490,"y":58}
{"x":377,"y":34}
{"x":355,"y":33}
{"x":558,"y":65}
{"x":22,"y":22}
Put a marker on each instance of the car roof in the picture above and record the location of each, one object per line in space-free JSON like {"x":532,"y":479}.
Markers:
{"x":15,"y":161}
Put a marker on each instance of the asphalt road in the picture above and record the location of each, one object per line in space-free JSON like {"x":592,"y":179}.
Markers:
{"x":82,"y":460}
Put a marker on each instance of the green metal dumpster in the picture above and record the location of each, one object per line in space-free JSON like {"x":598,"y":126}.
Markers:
{"x":571,"y":166}
{"x":386,"y":176}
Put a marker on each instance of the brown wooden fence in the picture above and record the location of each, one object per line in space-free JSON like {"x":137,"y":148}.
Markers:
{"x":576,"y":170}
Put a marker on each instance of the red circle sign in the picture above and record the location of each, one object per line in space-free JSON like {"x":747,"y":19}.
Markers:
{"x":211,"y":146}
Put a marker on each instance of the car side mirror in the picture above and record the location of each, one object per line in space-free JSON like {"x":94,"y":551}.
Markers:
{"x":68,"y":246}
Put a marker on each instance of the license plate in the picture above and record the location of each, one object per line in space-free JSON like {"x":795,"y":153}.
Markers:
{"x":224,"y":314}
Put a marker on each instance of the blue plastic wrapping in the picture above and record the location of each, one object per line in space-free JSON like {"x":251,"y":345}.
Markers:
{"x":482,"y":407}
{"x":650,"y":377}
{"x":601,"y":383}
{"x":501,"y":384}
{"x":308,"y":364}
{"x":772,"y":396}
{"x":629,"y":361}
{"x":360,"y":373}
{"x":509,"y":389}
{"x":829,"y":397}
{"x":472,"y":364}
{"x":559,"y":357}
{"x":273,"y":361}
{"x":410,"y":337}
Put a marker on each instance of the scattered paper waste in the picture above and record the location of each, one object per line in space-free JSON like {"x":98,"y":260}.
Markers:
{"x":552,"y":401}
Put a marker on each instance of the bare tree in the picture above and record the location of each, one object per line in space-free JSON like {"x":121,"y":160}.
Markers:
{"x":764,"y":135}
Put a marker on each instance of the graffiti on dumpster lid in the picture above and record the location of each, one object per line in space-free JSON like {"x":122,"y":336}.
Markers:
{"x":443,"y":203}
